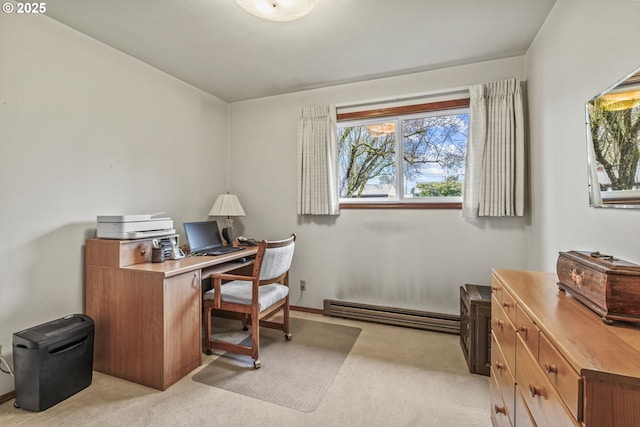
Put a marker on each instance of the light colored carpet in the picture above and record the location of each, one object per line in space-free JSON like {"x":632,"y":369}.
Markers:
{"x":295,"y":374}
{"x":392,"y":377}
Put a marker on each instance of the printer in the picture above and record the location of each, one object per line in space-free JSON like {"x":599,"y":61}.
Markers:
{"x":134,"y":226}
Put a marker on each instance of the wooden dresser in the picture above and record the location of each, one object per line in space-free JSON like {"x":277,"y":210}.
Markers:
{"x":553,"y":361}
{"x":148,"y":316}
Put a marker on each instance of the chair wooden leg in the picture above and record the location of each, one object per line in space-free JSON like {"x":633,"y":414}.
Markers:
{"x":207,"y":331}
{"x":286,"y":317}
{"x":255,"y":341}
{"x":244,"y":322}
{"x":204,"y":329}
{"x":285,"y":322}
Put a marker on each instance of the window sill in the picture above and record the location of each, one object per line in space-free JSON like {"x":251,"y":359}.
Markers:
{"x":398,"y":205}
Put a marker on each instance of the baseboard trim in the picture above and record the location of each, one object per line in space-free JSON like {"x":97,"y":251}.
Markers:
{"x":7,"y":397}
{"x":438,"y":322}
{"x":306,"y":309}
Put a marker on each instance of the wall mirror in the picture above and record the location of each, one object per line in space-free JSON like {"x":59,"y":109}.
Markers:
{"x":613,"y":145}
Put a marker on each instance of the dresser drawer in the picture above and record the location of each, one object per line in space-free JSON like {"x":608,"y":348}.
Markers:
{"x":561,"y":375}
{"x":523,"y":417}
{"x":504,"y":332}
{"x":496,"y":289}
{"x":500,"y":413}
{"x":528,"y":331}
{"x":539,"y":394}
{"x":503,"y":375}
{"x":509,"y":306}
{"x":118,"y":253}
{"x":135,"y":252}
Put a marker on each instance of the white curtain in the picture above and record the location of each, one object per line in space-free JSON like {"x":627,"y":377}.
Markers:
{"x":318,"y":162}
{"x":494,"y":176}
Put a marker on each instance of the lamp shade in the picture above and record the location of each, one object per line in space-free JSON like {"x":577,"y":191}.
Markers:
{"x":227,"y":205}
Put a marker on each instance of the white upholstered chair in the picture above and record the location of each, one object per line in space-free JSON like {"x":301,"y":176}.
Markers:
{"x":257,"y":297}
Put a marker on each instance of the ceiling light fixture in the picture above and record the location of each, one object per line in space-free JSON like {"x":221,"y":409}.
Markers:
{"x":278,"y":10}
{"x":619,"y":101}
{"x":380,"y":129}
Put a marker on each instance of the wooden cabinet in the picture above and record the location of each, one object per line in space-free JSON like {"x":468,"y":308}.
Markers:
{"x":182,"y":325}
{"x":148,"y":316}
{"x":553,"y":361}
{"x":475,"y":319}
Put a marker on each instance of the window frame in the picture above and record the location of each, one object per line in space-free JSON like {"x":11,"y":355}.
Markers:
{"x":399,"y":113}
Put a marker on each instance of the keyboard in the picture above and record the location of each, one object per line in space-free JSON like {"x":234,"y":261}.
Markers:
{"x":224,"y":250}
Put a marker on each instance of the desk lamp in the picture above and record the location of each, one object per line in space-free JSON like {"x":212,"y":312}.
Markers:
{"x":227,"y":205}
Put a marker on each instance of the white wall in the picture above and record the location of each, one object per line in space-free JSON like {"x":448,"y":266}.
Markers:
{"x":86,"y":130}
{"x":584,"y":47}
{"x":414,"y":259}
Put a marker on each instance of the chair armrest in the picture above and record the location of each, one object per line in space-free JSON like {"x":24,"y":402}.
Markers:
{"x":226,"y":276}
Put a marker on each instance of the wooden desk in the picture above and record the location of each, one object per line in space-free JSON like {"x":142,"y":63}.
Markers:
{"x":148,"y":316}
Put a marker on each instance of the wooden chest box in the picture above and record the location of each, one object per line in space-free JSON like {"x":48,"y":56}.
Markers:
{"x":607,"y":285}
{"x":475,"y":327}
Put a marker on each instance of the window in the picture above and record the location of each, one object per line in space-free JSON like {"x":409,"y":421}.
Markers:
{"x":412,"y":156}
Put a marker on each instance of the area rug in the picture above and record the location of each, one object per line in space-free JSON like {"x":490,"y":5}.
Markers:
{"x":295,"y":374}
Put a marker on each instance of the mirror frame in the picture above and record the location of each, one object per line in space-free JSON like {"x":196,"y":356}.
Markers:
{"x":610,"y":198}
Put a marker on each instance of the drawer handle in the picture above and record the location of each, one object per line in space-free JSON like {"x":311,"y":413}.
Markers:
{"x":506,"y":304}
{"x":196,"y":281}
{"x":523,"y":330}
{"x":143,"y":251}
{"x":535,"y":390}
{"x":550,"y":369}
{"x":499,"y":366}
{"x":500,"y":409}
{"x":500,"y":323}
{"x":495,"y":288}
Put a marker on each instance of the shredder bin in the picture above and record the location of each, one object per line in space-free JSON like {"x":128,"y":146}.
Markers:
{"x":52,"y":361}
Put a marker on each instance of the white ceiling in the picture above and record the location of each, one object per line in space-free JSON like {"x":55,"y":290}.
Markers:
{"x":221,"y":49}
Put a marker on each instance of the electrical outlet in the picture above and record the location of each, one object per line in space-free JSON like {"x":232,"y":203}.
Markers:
{"x":303,"y":285}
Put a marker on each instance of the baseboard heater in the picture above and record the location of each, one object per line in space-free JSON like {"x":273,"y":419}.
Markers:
{"x":393,"y":316}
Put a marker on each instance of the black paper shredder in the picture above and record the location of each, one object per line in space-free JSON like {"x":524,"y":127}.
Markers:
{"x":52,"y":361}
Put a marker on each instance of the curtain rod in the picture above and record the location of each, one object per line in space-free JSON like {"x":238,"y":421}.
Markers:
{"x":450,"y":91}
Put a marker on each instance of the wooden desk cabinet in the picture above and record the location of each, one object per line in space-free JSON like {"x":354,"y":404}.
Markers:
{"x":148,"y":318}
{"x":553,"y":361}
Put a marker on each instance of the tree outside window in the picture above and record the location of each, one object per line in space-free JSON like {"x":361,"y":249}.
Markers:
{"x":404,"y":158}
{"x":615,"y":132}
